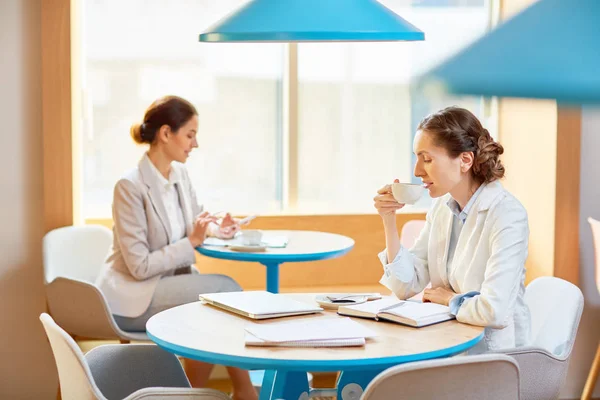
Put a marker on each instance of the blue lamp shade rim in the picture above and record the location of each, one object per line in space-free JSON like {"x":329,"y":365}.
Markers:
{"x":215,"y":37}
{"x":312,"y":21}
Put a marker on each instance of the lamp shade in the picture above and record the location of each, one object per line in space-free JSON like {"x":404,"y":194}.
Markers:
{"x":312,"y":21}
{"x":550,"y":50}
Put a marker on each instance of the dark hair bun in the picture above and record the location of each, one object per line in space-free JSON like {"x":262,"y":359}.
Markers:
{"x":136,"y":133}
{"x":487,"y":165}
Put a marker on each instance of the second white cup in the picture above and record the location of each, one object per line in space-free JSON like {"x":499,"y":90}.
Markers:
{"x":251,"y":237}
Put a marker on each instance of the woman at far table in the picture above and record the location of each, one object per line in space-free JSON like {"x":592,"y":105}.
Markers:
{"x":157,"y":224}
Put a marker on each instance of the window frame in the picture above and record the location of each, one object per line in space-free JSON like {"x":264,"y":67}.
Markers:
{"x":62,"y":72}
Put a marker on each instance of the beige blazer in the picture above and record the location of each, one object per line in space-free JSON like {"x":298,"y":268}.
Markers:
{"x":142,"y":251}
{"x":489,"y":258}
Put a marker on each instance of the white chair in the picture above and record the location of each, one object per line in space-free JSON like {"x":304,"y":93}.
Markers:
{"x":73,"y":256}
{"x":119,"y":371}
{"x":590,"y":383}
{"x":480,"y":377}
{"x":410,"y":232}
{"x":556,"y":306}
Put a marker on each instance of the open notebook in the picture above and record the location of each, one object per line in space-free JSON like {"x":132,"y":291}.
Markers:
{"x":410,"y":313}
{"x":258,"y":304}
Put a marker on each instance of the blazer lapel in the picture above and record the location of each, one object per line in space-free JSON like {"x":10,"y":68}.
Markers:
{"x":185,"y":204}
{"x":475,"y":216}
{"x":154,"y":193}
{"x":444,"y":246}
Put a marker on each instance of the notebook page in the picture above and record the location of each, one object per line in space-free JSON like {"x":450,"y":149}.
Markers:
{"x":417,"y":311}
{"x":310,"y":329}
{"x":373,"y":307}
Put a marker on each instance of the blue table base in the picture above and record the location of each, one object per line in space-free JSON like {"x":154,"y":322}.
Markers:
{"x":292,"y":385}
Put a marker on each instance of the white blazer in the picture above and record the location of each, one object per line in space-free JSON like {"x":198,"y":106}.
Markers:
{"x":142,"y":250}
{"x":489,"y":258}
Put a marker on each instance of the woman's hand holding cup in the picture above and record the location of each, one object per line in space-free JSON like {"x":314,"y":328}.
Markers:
{"x":385,"y":203}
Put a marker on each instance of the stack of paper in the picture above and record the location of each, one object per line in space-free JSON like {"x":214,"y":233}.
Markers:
{"x":317,"y":332}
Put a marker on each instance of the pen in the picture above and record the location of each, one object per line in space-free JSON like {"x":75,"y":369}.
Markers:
{"x":393,"y":306}
{"x":246,"y":220}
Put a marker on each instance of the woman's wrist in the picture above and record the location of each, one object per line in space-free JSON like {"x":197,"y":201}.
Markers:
{"x":195,"y":242}
{"x":389,"y":224}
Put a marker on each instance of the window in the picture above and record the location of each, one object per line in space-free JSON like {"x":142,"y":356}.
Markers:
{"x":356,"y":111}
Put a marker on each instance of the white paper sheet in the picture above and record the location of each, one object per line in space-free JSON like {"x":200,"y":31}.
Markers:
{"x":311,"y":329}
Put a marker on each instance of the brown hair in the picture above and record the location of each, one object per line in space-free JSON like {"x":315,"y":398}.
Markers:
{"x":169,"y":110}
{"x":458,"y":130}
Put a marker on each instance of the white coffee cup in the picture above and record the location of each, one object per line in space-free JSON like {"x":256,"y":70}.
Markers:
{"x":407,"y":193}
{"x":251,"y":237}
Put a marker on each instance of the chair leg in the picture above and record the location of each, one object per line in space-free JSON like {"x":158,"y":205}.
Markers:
{"x":588,"y":390}
{"x":124,"y":341}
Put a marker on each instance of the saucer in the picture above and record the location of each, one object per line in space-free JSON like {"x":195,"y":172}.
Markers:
{"x":247,"y":248}
{"x":330,"y":305}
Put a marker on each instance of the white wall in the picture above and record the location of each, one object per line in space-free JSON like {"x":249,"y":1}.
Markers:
{"x":26,"y":365}
{"x":589,"y":329}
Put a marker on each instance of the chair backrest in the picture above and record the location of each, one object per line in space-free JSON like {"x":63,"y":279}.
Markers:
{"x":486,"y":376}
{"x":410,"y":232}
{"x":596,"y":237}
{"x":556,"y":306}
{"x":75,"y":252}
{"x":76,"y":381}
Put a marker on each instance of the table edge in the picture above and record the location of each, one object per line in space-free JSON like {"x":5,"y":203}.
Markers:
{"x":272,"y":257}
{"x":252,"y":363}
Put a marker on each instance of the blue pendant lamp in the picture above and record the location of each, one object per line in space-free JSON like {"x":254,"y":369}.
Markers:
{"x":550,"y":50}
{"x":312,"y":21}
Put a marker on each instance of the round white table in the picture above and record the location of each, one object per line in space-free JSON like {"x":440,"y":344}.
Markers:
{"x":302,"y":246}
{"x":209,"y":334}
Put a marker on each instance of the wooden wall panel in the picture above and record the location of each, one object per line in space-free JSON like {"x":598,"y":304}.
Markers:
{"x":56,"y":113}
{"x":566,"y":233}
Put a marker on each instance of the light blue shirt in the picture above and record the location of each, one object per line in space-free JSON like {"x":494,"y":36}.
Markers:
{"x":458,"y":220}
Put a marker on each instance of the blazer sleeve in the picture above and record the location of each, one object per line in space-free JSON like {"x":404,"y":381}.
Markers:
{"x":504,"y":270}
{"x":408,"y":273}
{"x":131,"y":227}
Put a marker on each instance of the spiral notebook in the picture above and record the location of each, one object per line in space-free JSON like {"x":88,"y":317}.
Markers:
{"x":311,"y":332}
{"x":252,"y":340}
